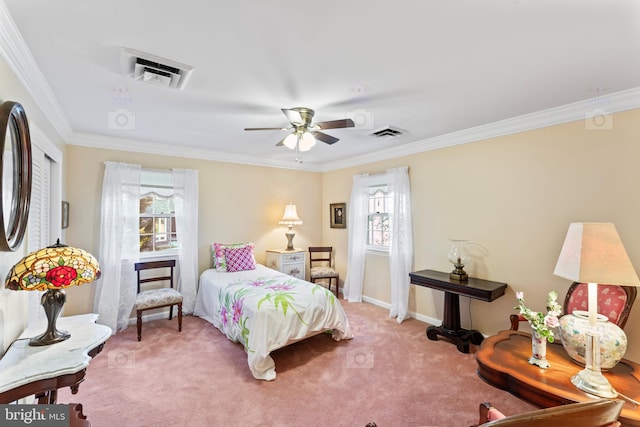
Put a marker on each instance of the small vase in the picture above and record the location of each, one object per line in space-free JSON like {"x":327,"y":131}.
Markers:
{"x":538,"y":351}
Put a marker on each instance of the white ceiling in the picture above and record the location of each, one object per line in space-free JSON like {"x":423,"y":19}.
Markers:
{"x":428,"y":68}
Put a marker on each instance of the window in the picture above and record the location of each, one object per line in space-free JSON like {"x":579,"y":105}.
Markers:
{"x":378,"y":232}
{"x":157,"y":212}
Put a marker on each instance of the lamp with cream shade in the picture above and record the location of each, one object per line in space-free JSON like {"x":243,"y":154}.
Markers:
{"x":593,"y":253}
{"x":290,"y":218}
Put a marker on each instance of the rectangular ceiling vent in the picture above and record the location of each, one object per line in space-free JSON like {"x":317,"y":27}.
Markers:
{"x":387,"y":132}
{"x":152,"y":69}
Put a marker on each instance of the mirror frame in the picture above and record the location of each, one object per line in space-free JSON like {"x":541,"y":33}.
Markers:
{"x":13,"y":121}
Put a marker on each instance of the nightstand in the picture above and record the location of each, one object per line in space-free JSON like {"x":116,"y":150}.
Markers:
{"x":288,"y":262}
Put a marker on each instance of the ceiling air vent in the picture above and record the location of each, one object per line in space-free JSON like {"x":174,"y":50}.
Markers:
{"x":387,"y":132}
{"x":152,"y":69}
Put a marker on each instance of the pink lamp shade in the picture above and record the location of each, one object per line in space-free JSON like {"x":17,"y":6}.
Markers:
{"x":52,"y":269}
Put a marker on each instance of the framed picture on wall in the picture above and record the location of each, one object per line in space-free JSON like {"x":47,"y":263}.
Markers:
{"x":338,"y":215}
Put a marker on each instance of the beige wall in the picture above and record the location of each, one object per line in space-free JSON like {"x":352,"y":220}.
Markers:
{"x":514,"y":197}
{"x":13,"y":304}
{"x":237,"y":203}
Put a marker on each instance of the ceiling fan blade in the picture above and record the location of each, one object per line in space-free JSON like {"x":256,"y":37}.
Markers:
{"x":293,"y":116}
{"x":328,"y":139}
{"x":265,"y":128}
{"x":335,"y":124}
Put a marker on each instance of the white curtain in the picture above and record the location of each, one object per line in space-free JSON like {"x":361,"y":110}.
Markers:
{"x":358,"y":212}
{"x":185,"y":186}
{"x":119,"y":244}
{"x":401,"y":245}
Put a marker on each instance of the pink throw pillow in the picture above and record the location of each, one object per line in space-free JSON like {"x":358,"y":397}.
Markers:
{"x":240,"y":259}
{"x":220,"y":260}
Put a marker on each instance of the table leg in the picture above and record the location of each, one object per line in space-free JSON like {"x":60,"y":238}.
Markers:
{"x":450,"y":327}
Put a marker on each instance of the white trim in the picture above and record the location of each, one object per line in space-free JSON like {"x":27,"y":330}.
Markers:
{"x":18,"y":56}
{"x":618,"y":101}
{"x":420,"y":317}
{"x":146,"y":147}
{"x":164,"y":314}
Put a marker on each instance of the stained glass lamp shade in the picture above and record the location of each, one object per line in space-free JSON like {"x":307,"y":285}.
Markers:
{"x":52,"y":269}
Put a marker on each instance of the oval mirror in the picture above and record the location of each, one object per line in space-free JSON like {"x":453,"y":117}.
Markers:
{"x":15,"y":174}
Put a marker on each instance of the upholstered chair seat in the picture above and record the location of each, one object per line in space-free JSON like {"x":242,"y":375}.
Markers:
{"x":157,"y":298}
{"x":323,"y":272}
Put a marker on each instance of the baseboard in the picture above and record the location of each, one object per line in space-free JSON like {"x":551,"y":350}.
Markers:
{"x":421,"y":317}
{"x":164,"y":314}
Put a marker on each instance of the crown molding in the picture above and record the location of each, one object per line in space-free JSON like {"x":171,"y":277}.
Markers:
{"x":147,"y":147}
{"x":19,"y":58}
{"x":618,"y":101}
{"x":615,"y":102}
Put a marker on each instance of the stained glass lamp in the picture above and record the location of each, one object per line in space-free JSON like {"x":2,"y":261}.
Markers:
{"x":52,"y":269}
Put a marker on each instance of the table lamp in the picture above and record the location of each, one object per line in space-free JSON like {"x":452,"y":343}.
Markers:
{"x":290,"y":218}
{"x":593,"y":253}
{"x":52,"y":269}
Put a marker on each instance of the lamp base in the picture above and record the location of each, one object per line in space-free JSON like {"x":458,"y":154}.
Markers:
{"x":590,"y":379}
{"x":52,"y":302}
{"x":593,"y":382}
{"x":290,"y":235}
{"x":458,"y":273}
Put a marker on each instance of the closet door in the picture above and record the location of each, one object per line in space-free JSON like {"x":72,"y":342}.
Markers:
{"x":38,"y":234}
{"x":40,"y":207}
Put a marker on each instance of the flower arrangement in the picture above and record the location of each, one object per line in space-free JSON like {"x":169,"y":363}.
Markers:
{"x":541,"y":323}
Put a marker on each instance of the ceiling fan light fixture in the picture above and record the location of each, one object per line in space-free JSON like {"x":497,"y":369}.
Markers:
{"x":307,"y":141}
{"x":291,"y":141}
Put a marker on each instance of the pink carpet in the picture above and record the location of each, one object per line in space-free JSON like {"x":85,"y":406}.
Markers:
{"x":389,"y":373}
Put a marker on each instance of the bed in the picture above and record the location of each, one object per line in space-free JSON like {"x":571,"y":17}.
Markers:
{"x":265,"y":310}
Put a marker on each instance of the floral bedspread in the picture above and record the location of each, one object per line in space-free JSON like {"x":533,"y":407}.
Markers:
{"x":264,"y":310}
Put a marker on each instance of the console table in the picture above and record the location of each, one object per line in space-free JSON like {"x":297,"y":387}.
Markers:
{"x":484,"y":290}
{"x":503,"y":363}
{"x":27,"y":370}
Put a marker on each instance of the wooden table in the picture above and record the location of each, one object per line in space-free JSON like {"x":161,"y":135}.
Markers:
{"x":503,"y":363}
{"x":27,"y":370}
{"x":484,"y":290}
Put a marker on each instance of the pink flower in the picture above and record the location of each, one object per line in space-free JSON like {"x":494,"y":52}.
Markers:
{"x":519,"y":295}
{"x":224,"y":316}
{"x":551,"y":321}
{"x":237,"y":311}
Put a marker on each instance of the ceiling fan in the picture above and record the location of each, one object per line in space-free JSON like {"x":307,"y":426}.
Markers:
{"x":305,"y":133}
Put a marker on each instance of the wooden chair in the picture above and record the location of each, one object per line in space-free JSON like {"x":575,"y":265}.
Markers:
{"x":614,"y":301}
{"x":595,"y":413}
{"x":321,"y":266}
{"x":157,"y":298}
